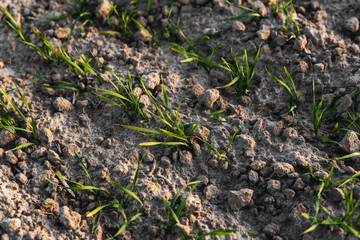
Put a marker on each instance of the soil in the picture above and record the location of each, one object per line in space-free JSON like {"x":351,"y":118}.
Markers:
{"x":264,"y":187}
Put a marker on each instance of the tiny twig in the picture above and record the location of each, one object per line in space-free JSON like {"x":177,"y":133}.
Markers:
{"x":66,"y":185}
{"x":153,"y":168}
{"x":166,"y":180}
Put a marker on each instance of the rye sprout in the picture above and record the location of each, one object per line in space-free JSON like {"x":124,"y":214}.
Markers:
{"x":126,"y":17}
{"x":119,"y":204}
{"x":174,"y":126}
{"x":55,"y":84}
{"x":318,"y":114}
{"x":91,"y":188}
{"x":221,"y":155}
{"x":289,"y":19}
{"x":79,"y":66}
{"x":174,"y":214}
{"x":176,"y":210}
{"x":294,"y":97}
{"x":252,"y":12}
{"x":165,"y":29}
{"x":241,"y":74}
{"x":80,"y":11}
{"x":192,"y":54}
{"x":13,"y":24}
{"x":11,"y":118}
{"x":351,"y":219}
{"x":124,"y":95}
{"x":277,"y":8}
{"x":353,"y":122}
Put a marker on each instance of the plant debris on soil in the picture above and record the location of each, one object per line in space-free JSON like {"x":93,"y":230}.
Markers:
{"x":187,"y":119}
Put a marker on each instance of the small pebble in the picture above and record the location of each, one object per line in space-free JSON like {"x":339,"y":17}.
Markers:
{"x":238,"y":26}
{"x":335,"y":195}
{"x":50,"y":206}
{"x":303,"y":66}
{"x":38,"y":153}
{"x":103,"y":9}
{"x":346,"y":103}
{"x":53,"y":156}
{"x":141,"y":35}
{"x":211,"y":191}
{"x":201,"y":2}
{"x":70,"y":219}
{"x":185,"y":157}
{"x":11,"y":158}
{"x":253,"y":176}
{"x":6,"y":137}
{"x":289,"y":194}
{"x":20,"y":177}
{"x":209,"y":97}
{"x":299,"y":184}
{"x":300,"y":43}
{"x":258,"y":165}
{"x":62,"y":105}
{"x":263,"y":34}
{"x":352,"y":24}
{"x":151,"y":80}
{"x":280,"y":40}
{"x":149,"y":157}
{"x":319,"y":67}
{"x":70,"y":150}
{"x":350,"y":142}
{"x":281,"y":169}
{"x":271,"y":229}
{"x":321,"y":174}
{"x":45,"y":135}
{"x":260,"y":6}
{"x":240,"y":199}
{"x":273,"y":186}
{"x":165,"y":161}
{"x":62,"y":33}
{"x":10,"y":225}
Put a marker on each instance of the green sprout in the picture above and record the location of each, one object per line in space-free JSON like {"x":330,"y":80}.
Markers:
{"x":294,"y":97}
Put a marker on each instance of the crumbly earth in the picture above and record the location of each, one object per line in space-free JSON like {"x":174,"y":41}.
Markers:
{"x":264,"y":187}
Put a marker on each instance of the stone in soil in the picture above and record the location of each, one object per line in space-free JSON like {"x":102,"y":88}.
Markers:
{"x":352,"y":24}
{"x":10,"y":225}
{"x":350,"y":142}
{"x":240,"y":199}
{"x":281,"y":169}
{"x":62,"y":105}
{"x":70,"y":219}
{"x":209,"y":97}
{"x":62,"y":33}
{"x":45,"y":135}
{"x":6,"y":137}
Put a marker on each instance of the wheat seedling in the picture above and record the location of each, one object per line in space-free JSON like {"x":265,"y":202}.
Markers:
{"x":174,"y":126}
{"x":277,"y":9}
{"x":318,"y":115}
{"x":294,"y":97}
{"x":97,"y":192}
{"x":252,"y":12}
{"x":351,"y":218}
{"x":124,"y":94}
{"x":241,"y":74}
{"x":10,"y":118}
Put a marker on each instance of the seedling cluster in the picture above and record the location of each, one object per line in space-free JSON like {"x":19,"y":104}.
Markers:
{"x":173,"y":132}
